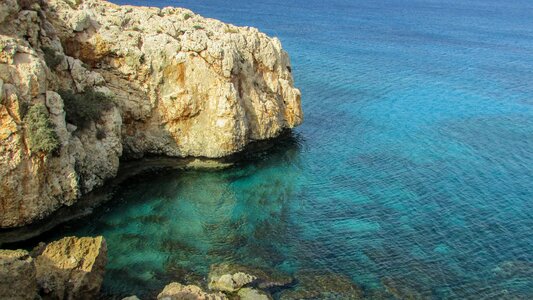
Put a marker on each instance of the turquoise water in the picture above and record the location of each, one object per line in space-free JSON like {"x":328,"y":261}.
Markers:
{"x":411,"y":175}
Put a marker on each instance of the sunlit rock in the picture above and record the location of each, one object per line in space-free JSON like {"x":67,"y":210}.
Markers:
{"x":72,"y":268}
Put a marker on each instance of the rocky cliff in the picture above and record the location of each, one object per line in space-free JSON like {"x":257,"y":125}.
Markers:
{"x":84,"y":83}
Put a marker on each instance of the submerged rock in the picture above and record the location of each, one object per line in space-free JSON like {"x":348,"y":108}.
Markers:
{"x":514,"y":269}
{"x":232,"y":277}
{"x":230,"y":282}
{"x":72,"y":268}
{"x":253,"y":294}
{"x":315,"y":285}
{"x":177,"y":291}
{"x":17,"y":275}
{"x":402,"y":289}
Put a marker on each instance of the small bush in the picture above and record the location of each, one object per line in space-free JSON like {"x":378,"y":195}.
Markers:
{"x":23,"y":109}
{"x":198,"y":27}
{"x":51,"y":57}
{"x":83,"y":108}
{"x":41,"y":134}
{"x":231,"y":30}
{"x":100,"y":134}
{"x":187,"y":16}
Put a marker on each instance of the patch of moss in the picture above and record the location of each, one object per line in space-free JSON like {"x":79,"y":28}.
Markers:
{"x":198,"y":27}
{"x":40,"y":131}
{"x":231,"y":30}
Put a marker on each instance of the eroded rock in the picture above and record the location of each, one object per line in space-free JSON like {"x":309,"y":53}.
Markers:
{"x":17,"y":275}
{"x":177,"y":291}
{"x":183,"y":85}
{"x":72,"y":268}
{"x":232,"y":277}
{"x":253,"y":294}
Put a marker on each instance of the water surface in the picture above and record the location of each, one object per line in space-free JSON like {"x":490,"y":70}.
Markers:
{"x":412,"y":173}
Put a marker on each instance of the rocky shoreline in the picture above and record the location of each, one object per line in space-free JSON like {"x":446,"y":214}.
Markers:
{"x":86,"y":84}
{"x":92,"y":93}
{"x":74,"y":268}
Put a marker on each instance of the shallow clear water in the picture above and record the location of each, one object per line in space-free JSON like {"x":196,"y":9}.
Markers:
{"x":413,"y":169}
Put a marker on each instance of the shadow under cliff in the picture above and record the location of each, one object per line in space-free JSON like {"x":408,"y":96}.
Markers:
{"x":288,"y":143}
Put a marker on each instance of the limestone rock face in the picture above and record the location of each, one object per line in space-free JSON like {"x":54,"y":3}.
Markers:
{"x":183,"y":86}
{"x":17,"y":275}
{"x":72,"y":268}
{"x":177,"y":291}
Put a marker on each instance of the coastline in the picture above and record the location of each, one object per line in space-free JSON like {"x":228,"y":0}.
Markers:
{"x":132,"y":169}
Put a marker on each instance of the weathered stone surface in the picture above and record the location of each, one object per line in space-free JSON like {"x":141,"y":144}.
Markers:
{"x":232,"y":277}
{"x":184,"y":85}
{"x":177,"y":291}
{"x":17,"y":275}
{"x":72,"y":268}
{"x":253,"y":294}
{"x":230,"y":282}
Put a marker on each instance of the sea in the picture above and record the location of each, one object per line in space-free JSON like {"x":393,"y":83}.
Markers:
{"x":410,"y":178}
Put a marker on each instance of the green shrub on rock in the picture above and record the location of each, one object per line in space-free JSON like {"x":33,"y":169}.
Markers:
{"x":41,"y":134}
{"x":51,"y":58}
{"x":85,"y":107}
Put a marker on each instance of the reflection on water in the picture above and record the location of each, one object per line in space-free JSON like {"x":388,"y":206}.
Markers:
{"x":172,"y":225}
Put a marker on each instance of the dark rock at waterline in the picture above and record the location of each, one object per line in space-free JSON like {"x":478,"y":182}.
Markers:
{"x":316,"y":285}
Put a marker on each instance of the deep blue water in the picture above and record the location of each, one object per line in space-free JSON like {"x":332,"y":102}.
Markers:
{"x":412,"y":171}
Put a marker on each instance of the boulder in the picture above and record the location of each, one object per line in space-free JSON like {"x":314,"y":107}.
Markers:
{"x":232,"y":277}
{"x":177,"y":291}
{"x":230,"y":282}
{"x":253,"y":294}
{"x":17,"y":275}
{"x":72,"y":268}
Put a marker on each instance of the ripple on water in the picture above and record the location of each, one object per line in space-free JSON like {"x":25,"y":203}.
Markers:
{"x":410,"y":177}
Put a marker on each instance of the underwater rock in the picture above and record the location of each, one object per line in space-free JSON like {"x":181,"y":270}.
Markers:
{"x":514,"y":269}
{"x":17,"y":275}
{"x":315,"y":285}
{"x":230,"y":282}
{"x":253,"y":294}
{"x":264,"y":279}
{"x":72,"y":268}
{"x":131,"y":298}
{"x":177,"y":291}
{"x":231,"y":277}
{"x":402,"y":289}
